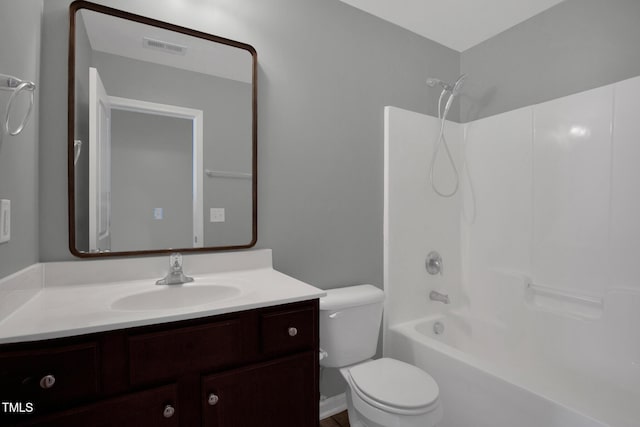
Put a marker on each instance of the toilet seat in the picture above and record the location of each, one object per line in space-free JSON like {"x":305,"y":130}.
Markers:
{"x":394,"y":386}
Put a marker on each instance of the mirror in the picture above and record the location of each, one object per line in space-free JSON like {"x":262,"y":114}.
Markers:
{"x":162,"y":137}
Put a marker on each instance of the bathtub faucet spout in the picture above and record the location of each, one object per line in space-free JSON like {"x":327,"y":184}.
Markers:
{"x":437,"y":296}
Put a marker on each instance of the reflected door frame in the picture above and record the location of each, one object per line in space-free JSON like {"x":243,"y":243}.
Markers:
{"x":196,"y":117}
{"x":99,"y":164}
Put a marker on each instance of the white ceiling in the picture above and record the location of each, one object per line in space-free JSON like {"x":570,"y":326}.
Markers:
{"x":458,"y":24}
{"x":121,"y":37}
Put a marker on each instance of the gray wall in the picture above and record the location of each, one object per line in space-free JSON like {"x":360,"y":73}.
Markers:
{"x":574,"y":46}
{"x":325,"y":72}
{"x":151,"y":157}
{"x":20,"y":57}
{"x":234,"y":195}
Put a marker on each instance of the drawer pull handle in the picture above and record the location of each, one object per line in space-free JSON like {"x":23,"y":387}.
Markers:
{"x":168,"y":411}
{"x":47,"y":381}
{"x":293,"y":332}
{"x":213,"y":399}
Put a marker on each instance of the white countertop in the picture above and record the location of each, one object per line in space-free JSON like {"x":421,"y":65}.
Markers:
{"x":62,"y":311}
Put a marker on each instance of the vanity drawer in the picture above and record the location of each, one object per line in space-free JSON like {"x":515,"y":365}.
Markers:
{"x":287,"y":330}
{"x":156,"y":407}
{"x":168,"y":354}
{"x":54,"y":376}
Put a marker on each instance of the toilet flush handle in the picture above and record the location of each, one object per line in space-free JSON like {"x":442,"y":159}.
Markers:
{"x":323,"y":354}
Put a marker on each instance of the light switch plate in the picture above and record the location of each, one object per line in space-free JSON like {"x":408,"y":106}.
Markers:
{"x":5,"y":220}
{"x":216,"y":215}
{"x":158,"y":213}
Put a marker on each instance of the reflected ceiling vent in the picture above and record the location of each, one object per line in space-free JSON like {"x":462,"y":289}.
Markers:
{"x":167,"y":47}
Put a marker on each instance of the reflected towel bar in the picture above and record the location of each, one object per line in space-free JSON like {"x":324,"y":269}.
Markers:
{"x":227,"y":174}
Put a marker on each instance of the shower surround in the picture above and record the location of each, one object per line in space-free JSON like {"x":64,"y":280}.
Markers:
{"x":540,"y":250}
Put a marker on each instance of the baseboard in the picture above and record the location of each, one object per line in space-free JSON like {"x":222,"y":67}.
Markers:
{"x":333,"y":405}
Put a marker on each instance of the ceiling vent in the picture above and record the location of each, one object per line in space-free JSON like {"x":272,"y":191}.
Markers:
{"x":167,"y":47}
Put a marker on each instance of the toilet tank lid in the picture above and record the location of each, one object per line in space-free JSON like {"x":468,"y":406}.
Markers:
{"x":351,"y":296}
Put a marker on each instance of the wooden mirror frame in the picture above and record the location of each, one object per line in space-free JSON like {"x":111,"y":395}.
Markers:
{"x":81,"y":4}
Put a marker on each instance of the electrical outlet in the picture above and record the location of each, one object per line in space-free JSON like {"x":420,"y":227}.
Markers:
{"x":158,"y":213}
{"x":216,"y":215}
{"x":5,"y":221}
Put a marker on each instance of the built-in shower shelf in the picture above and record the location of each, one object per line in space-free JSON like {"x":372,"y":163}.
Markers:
{"x":564,"y":301}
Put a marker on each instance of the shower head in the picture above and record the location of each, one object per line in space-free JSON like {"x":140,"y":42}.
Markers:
{"x":453,"y":88}
{"x":437,"y":82}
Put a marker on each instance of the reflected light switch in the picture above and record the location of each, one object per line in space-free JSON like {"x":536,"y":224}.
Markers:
{"x":216,"y":215}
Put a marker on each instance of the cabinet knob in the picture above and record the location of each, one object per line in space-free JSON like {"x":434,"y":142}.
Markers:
{"x":213,"y":399}
{"x":168,"y":411}
{"x":293,"y":332}
{"x":47,"y":381}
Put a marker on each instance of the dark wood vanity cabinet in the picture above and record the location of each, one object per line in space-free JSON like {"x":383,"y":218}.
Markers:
{"x":276,"y":390}
{"x":148,"y":408}
{"x":251,"y":368}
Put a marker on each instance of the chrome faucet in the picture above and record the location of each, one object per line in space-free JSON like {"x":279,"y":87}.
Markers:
{"x":176,"y":275}
{"x":437,"y":296}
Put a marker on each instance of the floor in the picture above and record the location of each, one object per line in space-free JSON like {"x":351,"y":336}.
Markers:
{"x":338,"y":420}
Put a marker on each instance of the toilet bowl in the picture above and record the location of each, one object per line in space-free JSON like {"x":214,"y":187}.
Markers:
{"x":383,"y":392}
{"x":390,"y":393}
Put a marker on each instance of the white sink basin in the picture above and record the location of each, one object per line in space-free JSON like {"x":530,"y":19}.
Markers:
{"x":176,"y":296}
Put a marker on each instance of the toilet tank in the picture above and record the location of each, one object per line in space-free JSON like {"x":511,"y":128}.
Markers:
{"x":349,"y":324}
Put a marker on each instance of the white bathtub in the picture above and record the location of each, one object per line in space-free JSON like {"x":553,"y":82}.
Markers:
{"x":492,"y":375}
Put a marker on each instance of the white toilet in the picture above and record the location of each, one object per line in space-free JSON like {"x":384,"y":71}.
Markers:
{"x":383,"y":392}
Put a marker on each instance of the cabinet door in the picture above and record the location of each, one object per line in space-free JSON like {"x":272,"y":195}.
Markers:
{"x":168,"y":354}
{"x":278,"y":393}
{"x":49,"y":378}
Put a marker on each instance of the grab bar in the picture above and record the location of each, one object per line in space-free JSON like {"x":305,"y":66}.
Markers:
{"x":585,"y":299}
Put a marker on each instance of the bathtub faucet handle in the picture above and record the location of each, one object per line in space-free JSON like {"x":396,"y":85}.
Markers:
{"x":434,"y":263}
